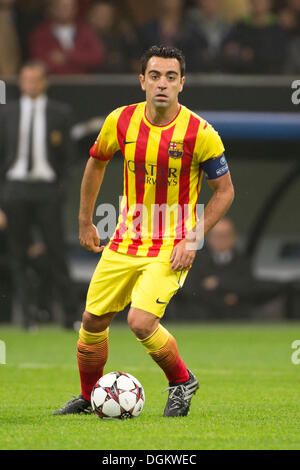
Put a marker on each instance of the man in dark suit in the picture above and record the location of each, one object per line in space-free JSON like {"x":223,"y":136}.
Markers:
{"x":35,"y":154}
{"x":222,"y":285}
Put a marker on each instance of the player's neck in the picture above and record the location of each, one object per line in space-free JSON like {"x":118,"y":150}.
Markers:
{"x":161,"y":116}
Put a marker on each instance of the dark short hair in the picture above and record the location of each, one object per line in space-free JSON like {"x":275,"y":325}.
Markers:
{"x":166,"y":53}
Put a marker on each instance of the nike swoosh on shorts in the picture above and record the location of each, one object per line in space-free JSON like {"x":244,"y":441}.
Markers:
{"x":159,"y":302}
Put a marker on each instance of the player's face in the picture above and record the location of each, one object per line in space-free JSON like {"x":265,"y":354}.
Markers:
{"x":33,"y":81}
{"x":162,"y":82}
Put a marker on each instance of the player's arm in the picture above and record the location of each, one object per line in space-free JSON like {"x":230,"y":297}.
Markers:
{"x":209,"y":152}
{"x":221,"y":200}
{"x":101,"y":152}
{"x":90,"y":187}
{"x":223,"y":193}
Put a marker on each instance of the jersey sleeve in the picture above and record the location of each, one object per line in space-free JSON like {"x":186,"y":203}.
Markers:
{"x":107,"y":143}
{"x":209,"y":144}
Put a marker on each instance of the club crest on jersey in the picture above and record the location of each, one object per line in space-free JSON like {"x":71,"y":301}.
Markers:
{"x":176,"y":149}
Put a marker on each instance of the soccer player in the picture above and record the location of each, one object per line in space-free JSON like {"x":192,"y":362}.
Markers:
{"x":166,"y":150}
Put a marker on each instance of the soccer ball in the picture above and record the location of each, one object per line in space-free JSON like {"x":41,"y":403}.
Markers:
{"x":118,"y":395}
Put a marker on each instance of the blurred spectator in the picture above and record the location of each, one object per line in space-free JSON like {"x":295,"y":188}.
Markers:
{"x":232,"y":10}
{"x":116,"y":36}
{"x":5,"y":274}
{"x":221,"y":284}
{"x":173,"y":28}
{"x":224,"y":277}
{"x":28,"y":14}
{"x":207,"y":19}
{"x":36,"y":152}
{"x":289,"y":17}
{"x":65,"y":45}
{"x":141,"y":11}
{"x":256,"y":44}
{"x":83,"y":7}
{"x":42,"y":292}
{"x":10,"y":52}
{"x":292,"y":65}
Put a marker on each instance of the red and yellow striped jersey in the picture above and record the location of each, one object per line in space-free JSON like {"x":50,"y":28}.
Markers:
{"x":162,"y":175}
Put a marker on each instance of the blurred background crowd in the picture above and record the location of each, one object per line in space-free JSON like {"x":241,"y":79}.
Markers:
{"x":108,"y":36}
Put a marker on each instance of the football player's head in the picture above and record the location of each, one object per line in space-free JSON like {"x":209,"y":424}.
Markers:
{"x":162,"y":75}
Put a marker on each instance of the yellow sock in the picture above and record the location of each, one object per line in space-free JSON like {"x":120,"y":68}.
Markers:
{"x":92,"y":354}
{"x":92,"y":338}
{"x":156,"y":340}
{"x":162,"y":347}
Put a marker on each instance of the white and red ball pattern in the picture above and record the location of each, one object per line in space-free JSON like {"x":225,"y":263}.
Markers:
{"x":118,"y":395}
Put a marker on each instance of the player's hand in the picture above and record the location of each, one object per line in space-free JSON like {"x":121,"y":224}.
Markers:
{"x":182,"y":257}
{"x":89,"y":238}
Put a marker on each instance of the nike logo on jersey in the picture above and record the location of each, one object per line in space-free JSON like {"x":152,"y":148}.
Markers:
{"x":128,"y":142}
{"x":159,"y":302}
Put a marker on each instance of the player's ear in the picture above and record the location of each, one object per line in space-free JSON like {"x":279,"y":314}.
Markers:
{"x":142,"y":81}
{"x":182,"y":80}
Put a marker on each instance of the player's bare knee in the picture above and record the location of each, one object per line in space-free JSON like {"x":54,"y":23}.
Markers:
{"x":94,"y":323}
{"x":139,"y":330}
{"x":142,"y":327}
{"x":89,"y":321}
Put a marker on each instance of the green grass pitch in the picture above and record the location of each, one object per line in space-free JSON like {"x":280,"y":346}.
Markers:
{"x":248,"y":397}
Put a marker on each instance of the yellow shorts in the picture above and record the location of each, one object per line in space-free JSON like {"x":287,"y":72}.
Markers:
{"x":147,"y":282}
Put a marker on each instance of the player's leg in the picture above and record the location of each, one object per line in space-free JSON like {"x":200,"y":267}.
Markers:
{"x":159,"y":344}
{"x":109,"y":292}
{"x":162,"y":347}
{"x":92,"y":353}
{"x":150,"y":296}
{"x":92,"y":350}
